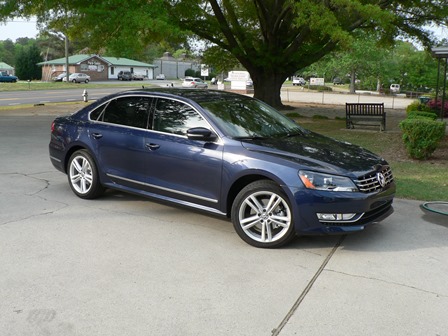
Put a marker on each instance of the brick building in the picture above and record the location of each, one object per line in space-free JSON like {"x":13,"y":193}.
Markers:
{"x":99,"y":68}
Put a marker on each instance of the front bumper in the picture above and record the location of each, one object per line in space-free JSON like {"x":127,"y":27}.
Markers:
{"x":366,"y":209}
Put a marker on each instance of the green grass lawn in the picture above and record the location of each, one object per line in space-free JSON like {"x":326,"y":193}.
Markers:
{"x":418,"y":180}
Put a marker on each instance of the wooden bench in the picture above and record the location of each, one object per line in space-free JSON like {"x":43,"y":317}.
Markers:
{"x":365,"y":114}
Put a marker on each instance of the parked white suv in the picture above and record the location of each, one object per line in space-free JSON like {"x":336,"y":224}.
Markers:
{"x":395,"y":88}
{"x":298,"y":81}
{"x":193,"y":82}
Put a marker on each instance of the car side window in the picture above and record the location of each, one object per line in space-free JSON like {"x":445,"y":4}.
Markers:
{"x":172,"y":116}
{"x":128,"y":111}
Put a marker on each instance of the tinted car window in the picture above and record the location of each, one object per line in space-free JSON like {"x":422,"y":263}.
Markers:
{"x":175,"y":117}
{"x":242,"y":118}
{"x":127,"y":111}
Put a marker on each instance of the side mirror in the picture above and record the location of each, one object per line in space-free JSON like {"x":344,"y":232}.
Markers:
{"x":200,"y":133}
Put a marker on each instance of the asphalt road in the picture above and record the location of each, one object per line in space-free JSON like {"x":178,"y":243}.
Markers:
{"x":123,"y":265}
{"x":288,"y":94}
{"x":74,"y":94}
{"x":14,"y":98}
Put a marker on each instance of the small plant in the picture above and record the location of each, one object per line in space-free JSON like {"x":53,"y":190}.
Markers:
{"x":317,"y":116}
{"x":421,"y":136}
{"x":294,"y":115}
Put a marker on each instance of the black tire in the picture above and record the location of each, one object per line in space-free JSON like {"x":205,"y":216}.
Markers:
{"x":271,"y":225}
{"x":87,"y":81}
{"x":83,"y":175}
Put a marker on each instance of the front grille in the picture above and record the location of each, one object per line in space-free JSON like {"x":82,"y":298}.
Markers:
{"x":371,"y":182}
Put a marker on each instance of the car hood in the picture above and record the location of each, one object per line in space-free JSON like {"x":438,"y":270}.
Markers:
{"x":318,"y":152}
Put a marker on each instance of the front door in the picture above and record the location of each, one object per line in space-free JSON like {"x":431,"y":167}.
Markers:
{"x":189,"y":170}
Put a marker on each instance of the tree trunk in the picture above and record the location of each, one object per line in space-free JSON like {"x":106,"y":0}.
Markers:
{"x":267,"y":87}
{"x":379,"y":85}
{"x":352,"y":81}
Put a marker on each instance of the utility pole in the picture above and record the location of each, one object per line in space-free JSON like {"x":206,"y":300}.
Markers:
{"x":66,"y":58}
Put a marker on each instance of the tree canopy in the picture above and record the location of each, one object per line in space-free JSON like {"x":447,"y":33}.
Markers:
{"x":272,"y":39}
{"x":377,"y":67}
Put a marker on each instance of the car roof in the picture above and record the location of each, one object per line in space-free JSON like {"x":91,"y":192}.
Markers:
{"x":193,"y":94}
{"x":186,"y":94}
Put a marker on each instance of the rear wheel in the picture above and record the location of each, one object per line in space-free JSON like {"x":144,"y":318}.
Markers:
{"x":83,"y":175}
{"x":262,"y":216}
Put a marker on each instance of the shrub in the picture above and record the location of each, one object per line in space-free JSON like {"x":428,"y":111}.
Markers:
{"x":190,"y":73}
{"x":436,"y":106}
{"x":293,"y":115}
{"x":422,"y":115}
{"x":421,"y":136}
{"x":417,"y":106}
{"x":320,"y":88}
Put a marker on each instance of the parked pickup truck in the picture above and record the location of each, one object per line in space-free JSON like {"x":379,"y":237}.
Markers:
{"x":5,"y":77}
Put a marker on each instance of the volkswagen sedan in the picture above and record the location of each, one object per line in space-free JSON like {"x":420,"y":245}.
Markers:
{"x":227,"y":154}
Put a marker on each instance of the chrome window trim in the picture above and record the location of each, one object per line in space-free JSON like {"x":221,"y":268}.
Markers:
{"x":152,"y":110}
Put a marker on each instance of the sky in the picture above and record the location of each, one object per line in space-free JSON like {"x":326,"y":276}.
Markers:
{"x":18,"y":28}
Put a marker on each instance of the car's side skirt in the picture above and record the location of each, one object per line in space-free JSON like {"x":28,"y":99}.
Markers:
{"x":161,"y":197}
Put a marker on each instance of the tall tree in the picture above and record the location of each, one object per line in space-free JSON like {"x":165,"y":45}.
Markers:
{"x":377,"y":67}
{"x":26,"y":63}
{"x":7,"y":52}
{"x":272,"y":39}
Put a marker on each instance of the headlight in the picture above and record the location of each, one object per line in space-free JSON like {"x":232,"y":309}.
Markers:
{"x":319,"y":181}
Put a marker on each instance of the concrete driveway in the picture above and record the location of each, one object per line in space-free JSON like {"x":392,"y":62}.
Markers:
{"x":124,"y":265}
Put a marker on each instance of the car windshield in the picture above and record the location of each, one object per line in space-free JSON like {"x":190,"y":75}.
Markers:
{"x":246,"y":118}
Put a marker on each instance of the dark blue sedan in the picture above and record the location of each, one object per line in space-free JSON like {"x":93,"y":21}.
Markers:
{"x":227,"y":154}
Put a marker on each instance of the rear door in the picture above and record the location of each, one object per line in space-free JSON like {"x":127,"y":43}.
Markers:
{"x":119,"y":138}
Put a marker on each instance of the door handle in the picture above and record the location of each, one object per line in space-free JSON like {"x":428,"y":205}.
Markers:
{"x":97,"y":135}
{"x":152,"y":146}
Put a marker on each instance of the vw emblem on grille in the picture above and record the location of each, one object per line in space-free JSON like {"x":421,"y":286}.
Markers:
{"x":381,"y":179}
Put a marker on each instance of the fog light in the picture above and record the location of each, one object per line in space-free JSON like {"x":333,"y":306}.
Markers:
{"x":335,"y":217}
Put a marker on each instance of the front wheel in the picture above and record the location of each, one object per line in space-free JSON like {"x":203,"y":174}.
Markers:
{"x":262,"y":216}
{"x":83,"y":175}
